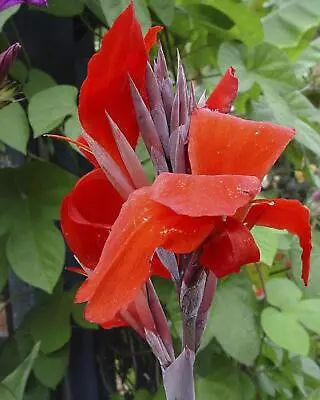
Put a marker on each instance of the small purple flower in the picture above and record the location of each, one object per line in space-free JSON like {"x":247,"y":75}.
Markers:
{"x":6,"y":60}
{"x":4,"y":4}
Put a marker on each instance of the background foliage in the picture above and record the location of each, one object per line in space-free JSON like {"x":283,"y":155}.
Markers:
{"x":263,"y":335}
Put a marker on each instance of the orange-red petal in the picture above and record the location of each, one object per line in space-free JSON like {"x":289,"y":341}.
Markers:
{"x":225,"y":92}
{"x":231,"y":248}
{"x":87,"y":214}
{"x":224,"y":144}
{"x":285,"y":214}
{"x":106,"y":87}
{"x":124,"y":266}
{"x":203,"y":195}
{"x":116,"y":322}
{"x":150,"y":38}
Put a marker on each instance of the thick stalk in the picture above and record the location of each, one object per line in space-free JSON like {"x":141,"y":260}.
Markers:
{"x":178,"y":377}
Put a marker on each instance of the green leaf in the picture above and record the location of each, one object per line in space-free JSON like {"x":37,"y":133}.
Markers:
{"x":50,"y":322}
{"x":287,"y":111}
{"x":142,"y":394}
{"x":95,"y":7}
{"x":37,"y":393}
{"x":14,"y":127}
{"x":51,"y":368}
{"x":72,"y":127}
{"x":17,"y":380}
{"x":62,"y":8}
{"x":48,"y":108}
{"x":313,"y":288}
{"x":5,"y":393}
{"x":286,"y":26}
{"x":238,"y":334}
{"x":19,"y":71}
{"x":267,"y":240}
{"x":310,"y":368}
{"x":315,"y":395}
{"x":309,"y":314}
{"x":283,"y":293}
{"x":308,"y":58}
{"x":248,"y":27}
{"x":35,"y":250}
{"x":264,"y":64}
{"x":225,"y":383}
{"x":6,"y":14}
{"x":38,"y":80}
{"x":284,"y":329}
{"x":112,"y":8}
{"x":164,"y":10}
{"x":30,"y":200}
{"x":77,"y":315}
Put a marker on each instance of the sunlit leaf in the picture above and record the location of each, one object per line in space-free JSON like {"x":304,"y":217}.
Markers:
{"x":14,"y":127}
{"x":285,"y":330}
{"x":48,"y":108}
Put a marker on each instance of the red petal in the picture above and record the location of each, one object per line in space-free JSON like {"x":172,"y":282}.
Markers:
{"x":158,"y":269}
{"x":87,"y":214}
{"x":224,"y":144}
{"x":225,"y":92}
{"x":230,"y":249}
{"x":201,"y":195}
{"x":151,"y":37}
{"x":116,"y":322}
{"x":124,"y":266}
{"x":285,"y":214}
{"x":106,"y":88}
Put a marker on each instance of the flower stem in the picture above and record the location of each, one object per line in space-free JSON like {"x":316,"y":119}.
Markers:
{"x":178,"y":377}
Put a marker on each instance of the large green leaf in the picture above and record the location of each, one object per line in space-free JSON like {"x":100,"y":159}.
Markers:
{"x":290,"y":110}
{"x":48,"y":108}
{"x":286,"y":26}
{"x":50,"y":323}
{"x":63,"y":8}
{"x":315,"y":395}
{"x":17,"y":380}
{"x":6,"y":14}
{"x":308,"y":58}
{"x":35,"y":250}
{"x":309,"y":314}
{"x":238,"y":334}
{"x":285,"y":330}
{"x":283,"y":293}
{"x":264,"y":64}
{"x":37,"y":81}
{"x":29,"y":202}
{"x":95,"y":7}
{"x":247,"y":27}
{"x":267,"y":240}
{"x":14,"y":127}
{"x":225,"y":383}
{"x":77,"y":315}
{"x":164,"y":10}
{"x":51,"y":368}
{"x":112,"y":8}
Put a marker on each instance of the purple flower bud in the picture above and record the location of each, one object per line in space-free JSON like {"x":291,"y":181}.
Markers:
{"x":4,"y":4}
{"x":6,"y":60}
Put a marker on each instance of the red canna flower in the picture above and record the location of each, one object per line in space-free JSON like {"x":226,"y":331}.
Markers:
{"x":201,"y":206}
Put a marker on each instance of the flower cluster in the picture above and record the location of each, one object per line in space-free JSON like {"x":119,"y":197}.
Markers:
{"x":194,"y":221}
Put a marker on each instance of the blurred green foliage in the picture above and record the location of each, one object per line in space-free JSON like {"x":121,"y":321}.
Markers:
{"x":263,"y":334}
